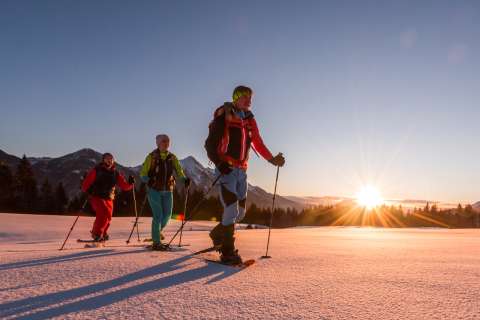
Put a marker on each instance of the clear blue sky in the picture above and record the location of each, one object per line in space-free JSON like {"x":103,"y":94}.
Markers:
{"x":353,"y":92}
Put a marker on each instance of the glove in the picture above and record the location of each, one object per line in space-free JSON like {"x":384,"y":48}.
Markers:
{"x":224,"y":168}
{"x":131,"y":179}
{"x":278,"y":160}
{"x":187,"y":182}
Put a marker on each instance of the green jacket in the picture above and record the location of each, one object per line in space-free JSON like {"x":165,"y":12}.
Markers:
{"x":163,"y":155}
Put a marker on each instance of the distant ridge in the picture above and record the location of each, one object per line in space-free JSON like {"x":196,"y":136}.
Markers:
{"x":69,"y":169}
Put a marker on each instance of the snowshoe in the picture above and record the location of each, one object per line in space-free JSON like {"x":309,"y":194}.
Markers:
{"x":92,"y":243}
{"x":242,"y":265}
{"x":158,"y":247}
{"x":95,"y":244}
{"x":231,"y":259}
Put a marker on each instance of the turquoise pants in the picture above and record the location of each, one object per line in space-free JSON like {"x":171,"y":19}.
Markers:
{"x":161,"y":203}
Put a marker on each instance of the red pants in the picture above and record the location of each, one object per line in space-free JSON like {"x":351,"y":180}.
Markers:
{"x":103,"y":215}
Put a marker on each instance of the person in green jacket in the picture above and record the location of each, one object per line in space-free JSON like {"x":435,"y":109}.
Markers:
{"x":158,"y":173}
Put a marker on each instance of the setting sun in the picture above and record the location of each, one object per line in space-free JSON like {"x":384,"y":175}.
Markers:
{"x":369,"y":197}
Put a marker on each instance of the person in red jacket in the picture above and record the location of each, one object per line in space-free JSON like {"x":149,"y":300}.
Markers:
{"x":232,"y":132}
{"x":100,"y":185}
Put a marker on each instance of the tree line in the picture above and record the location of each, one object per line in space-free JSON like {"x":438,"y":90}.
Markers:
{"x":19,"y":192}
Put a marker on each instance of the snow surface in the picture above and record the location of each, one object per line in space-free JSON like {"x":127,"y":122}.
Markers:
{"x":315,"y":273}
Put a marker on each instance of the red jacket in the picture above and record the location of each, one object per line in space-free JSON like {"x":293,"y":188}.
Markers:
{"x":101,"y":181}
{"x":230,"y":137}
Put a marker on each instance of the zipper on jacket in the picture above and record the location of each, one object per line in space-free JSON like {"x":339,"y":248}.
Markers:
{"x":243,"y":142}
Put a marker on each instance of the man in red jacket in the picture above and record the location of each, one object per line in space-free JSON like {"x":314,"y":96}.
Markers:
{"x":100,"y":185}
{"x":232,"y":132}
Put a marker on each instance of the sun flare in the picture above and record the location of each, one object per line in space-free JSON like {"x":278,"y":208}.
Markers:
{"x":369,"y":197}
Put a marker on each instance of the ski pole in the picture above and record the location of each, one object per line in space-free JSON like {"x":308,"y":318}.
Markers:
{"x":266,"y":256}
{"x":184,"y":222}
{"x":184,"y":215}
{"x":73,"y":225}
{"x":135,"y":209}
{"x":135,"y":224}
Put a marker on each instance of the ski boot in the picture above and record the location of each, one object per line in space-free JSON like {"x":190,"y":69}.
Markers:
{"x":217,"y":235}
{"x":232,"y":258}
{"x":229,"y":253}
{"x":159,"y":247}
{"x":97,"y":238}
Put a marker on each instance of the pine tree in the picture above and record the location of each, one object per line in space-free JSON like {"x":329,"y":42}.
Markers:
{"x":427,"y":208}
{"x":47,"y":200}
{"x":75,"y":205}
{"x":26,"y":185}
{"x":468,"y":209}
{"x":61,"y":199}
{"x":6,"y":188}
{"x":469,"y":215}
{"x":459,"y":209}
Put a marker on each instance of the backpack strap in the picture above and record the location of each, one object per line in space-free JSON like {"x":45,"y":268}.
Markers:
{"x":154,"y":159}
{"x":227,"y":110}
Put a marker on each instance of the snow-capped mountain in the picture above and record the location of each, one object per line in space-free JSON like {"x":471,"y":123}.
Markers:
{"x":69,"y":169}
{"x":203,"y":177}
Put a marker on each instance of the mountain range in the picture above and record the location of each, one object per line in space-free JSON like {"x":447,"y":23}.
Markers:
{"x":69,"y":169}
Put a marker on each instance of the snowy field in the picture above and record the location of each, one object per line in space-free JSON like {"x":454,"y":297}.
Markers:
{"x":315,"y":273}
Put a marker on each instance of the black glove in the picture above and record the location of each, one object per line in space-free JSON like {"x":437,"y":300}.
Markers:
{"x":131,"y":179}
{"x":224,"y":168}
{"x":188,"y":182}
{"x":278,"y":160}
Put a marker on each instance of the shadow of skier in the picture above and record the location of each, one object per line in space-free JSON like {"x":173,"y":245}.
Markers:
{"x":19,"y":307}
{"x":64,"y":258}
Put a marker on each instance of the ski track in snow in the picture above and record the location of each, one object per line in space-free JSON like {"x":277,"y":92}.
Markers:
{"x":315,"y":273}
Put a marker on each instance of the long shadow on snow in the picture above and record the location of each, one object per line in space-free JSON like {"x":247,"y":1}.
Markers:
{"x":16,"y":308}
{"x":23,"y":286}
{"x":64,"y":258}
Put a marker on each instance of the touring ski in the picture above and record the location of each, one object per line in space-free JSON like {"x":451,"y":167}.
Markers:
{"x":90,"y":243}
{"x":244,"y":264}
{"x":210,"y":249}
{"x":88,"y":240}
